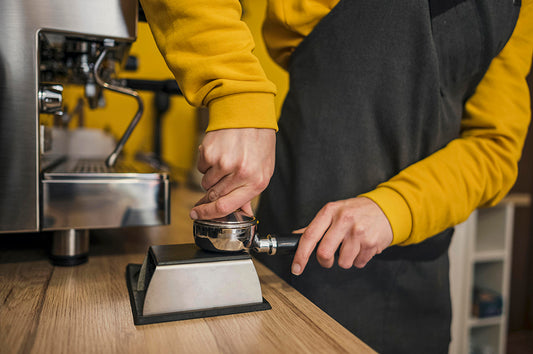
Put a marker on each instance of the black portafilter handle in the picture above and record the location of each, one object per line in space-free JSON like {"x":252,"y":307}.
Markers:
{"x":287,"y":243}
{"x":277,"y":244}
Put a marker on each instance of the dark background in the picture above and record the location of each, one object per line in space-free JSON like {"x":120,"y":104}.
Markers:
{"x":521,"y":304}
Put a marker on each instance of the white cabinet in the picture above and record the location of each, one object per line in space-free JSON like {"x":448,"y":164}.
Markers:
{"x":480,"y":256}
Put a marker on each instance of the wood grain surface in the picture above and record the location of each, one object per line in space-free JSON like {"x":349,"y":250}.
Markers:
{"x":86,"y":309}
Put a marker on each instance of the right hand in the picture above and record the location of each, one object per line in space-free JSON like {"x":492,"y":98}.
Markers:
{"x":357,"y":227}
{"x":237,"y":165}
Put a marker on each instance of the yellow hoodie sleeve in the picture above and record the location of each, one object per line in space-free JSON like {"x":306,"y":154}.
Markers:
{"x":477,"y":169}
{"x":209,"y":50}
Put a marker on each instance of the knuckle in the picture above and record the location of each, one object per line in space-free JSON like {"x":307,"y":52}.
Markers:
{"x":325,"y":264}
{"x":344,"y":264}
{"x":380,"y":249}
{"x":372,"y":244}
{"x":359,"y":264}
{"x":205,"y":154}
{"x":307,"y":237}
{"x":222,"y":207}
{"x":329,"y":208}
{"x":201,"y":151}
{"x":261,"y":183}
{"x":345,"y":217}
{"x":368,"y":244}
{"x":225,"y":164}
{"x":362,"y":260}
{"x":323,"y":254}
{"x":359,"y":229}
{"x":212,"y":195}
{"x":205,"y":183}
{"x":244,"y":170}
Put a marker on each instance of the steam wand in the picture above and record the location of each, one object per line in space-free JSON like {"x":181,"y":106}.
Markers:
{"x":112,"y":158}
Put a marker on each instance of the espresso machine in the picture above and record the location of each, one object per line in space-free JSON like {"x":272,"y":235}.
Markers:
{"x":53,"y":177}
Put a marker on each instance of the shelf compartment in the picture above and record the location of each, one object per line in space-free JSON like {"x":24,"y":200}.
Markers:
{"x":485,"y":339}
{"x":489,"y":275}
{"x":491,"y":229}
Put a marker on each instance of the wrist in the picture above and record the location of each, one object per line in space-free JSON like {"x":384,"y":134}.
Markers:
{"x":395,"y":209}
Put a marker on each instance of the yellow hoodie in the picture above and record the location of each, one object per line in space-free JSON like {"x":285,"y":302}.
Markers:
{"x":209,"y":50}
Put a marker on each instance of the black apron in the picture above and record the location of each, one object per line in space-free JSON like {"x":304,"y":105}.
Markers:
{"x":377,"y":86}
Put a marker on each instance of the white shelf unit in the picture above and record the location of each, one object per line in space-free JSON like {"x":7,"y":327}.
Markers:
{"x":480,"y":255}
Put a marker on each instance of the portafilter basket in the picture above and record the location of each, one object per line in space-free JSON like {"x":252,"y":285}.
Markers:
{"x":237,"y":232}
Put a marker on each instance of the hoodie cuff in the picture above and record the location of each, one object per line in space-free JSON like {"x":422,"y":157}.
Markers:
{"x":396,"y":210}
{"x":243,"y":110}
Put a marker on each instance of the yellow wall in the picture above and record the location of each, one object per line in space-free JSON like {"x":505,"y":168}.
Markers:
{"x":180,"y":124}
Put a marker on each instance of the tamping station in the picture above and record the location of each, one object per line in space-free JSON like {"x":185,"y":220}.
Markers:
{"x":215,"y":276}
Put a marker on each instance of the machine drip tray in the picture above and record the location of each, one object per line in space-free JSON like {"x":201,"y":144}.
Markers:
{"x":86,"y":194}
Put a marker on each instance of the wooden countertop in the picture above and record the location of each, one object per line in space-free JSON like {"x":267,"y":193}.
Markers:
{"x":86,"y":309}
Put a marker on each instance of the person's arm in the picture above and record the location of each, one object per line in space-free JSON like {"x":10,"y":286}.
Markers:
{"x":479,"y":168}
{"x":475,"y":170}
{"x":209,"y":50}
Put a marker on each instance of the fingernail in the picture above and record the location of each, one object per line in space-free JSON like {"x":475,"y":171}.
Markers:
{"x":296,"y":268}
{"x":194,"y":215}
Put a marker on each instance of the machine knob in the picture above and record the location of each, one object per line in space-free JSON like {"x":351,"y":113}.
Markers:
{"x":50,"y":98}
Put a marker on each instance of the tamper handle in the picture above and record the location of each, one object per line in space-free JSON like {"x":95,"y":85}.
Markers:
{"x":286,"y":243}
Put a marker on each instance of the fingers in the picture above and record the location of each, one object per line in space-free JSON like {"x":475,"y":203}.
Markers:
{"x":348,"y":253}
{"x":357,"y":227}
{"x":313,"y":233}
{"x":202,"y":164}
{"x":247,"y":208}
{"x":331,"y":241}
{"x":237,"y":199}
{"x":217,"y":191}
{"x":215,"y":173}
{"x":224,"y":195}
{"x":222,"y":184}
{"x":364,"y":257}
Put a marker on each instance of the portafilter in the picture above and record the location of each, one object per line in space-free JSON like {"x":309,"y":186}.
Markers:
{"x":237,"y":232}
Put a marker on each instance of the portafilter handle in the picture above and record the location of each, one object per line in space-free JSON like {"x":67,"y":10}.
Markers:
{"x":276,"y":244}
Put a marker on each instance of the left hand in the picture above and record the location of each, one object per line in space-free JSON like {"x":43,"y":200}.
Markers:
{"x":357,"y":225}
{"x":237,"y":165}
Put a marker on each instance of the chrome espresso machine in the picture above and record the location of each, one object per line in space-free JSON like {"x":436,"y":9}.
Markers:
{"x":56,"y":178}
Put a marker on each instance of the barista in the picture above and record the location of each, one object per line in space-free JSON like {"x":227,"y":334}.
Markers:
{"x":401,"y":119}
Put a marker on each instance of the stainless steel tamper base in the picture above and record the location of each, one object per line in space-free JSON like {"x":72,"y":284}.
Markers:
{"x":70,"y":247}
{"x":179,"y":282}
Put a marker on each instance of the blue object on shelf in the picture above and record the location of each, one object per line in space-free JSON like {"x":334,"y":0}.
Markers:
{"x":487,"y":303}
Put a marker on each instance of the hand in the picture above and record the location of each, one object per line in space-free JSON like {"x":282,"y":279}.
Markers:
{"x":357,"y":225}
{"x":237,"y":165}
